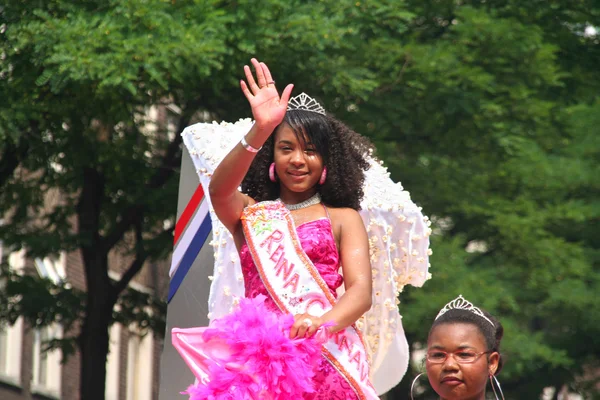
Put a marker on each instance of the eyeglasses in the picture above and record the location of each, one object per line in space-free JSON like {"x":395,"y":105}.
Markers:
{"x":460,"y":356}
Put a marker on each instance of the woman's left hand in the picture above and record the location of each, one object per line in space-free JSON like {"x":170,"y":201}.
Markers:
{"x":305,"y":325}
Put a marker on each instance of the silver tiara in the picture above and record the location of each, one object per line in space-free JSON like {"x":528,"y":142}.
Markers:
{"x":460,"y":303}
{"x":305,"y":102}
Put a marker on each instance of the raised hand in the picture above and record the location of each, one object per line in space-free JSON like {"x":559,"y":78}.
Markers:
{"x":268,"y":108}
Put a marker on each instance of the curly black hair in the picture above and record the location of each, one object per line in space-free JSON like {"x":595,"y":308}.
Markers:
{"x":344,"y":154}
{"x":492,"y":334}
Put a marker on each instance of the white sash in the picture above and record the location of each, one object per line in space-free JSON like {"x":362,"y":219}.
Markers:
{"x":297,"y":287}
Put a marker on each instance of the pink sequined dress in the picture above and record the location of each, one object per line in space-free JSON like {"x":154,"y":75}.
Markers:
{"x":318,"y":243}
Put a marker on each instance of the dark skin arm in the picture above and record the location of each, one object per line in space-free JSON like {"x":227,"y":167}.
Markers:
{"x":356,"y":268}
{"x":268,"y":110}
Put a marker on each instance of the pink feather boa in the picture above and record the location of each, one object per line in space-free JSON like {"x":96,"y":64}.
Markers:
{"x":262,"y":362}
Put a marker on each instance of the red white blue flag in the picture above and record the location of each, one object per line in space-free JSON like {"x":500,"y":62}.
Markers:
{"x":191,"y":231}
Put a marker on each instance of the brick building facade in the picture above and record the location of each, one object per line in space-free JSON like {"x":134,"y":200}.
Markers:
{"x":27,"y":373}
{"x":133,"y":362}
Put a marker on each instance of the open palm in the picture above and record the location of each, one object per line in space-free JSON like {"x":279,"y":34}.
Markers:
{"x":268,"y":108}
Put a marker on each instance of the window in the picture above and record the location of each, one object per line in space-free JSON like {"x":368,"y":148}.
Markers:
{"x":3,"y":348}
{"x":46,"y":364}
{"x":11,"y":343}
{"x":139,"y":366}
{"x":40,"y":371}
{"x":140,"y":356}
{"x":112,"y":363}
{"x":11,"y":337}
{"x":52,"y":268}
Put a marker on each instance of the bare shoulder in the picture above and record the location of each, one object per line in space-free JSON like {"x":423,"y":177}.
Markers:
{"x":249,"y":200}
{"x":345,"y":218}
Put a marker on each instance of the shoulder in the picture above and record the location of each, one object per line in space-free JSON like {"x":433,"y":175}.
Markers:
{"x":343,"y":212}
{"x":344,"y":217}
{"x":250,"y":201}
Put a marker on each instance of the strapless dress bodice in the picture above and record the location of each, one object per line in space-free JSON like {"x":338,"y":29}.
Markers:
{"x":317,"y":241}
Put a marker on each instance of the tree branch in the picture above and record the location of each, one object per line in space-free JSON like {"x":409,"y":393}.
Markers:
{"x":12,"y":156}
{"x":88,"y":210}
{"x":136,"y":265}
{"x":398,"y":79}
{"x":169,"y":163}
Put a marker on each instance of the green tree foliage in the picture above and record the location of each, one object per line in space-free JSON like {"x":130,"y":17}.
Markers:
{"x":487,"y":111}
{"x":496,"y":151}
{"x":78,"y":80}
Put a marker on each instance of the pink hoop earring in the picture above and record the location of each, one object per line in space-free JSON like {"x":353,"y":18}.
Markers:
{"x":323,"y":176}
{"x":272,"y":173}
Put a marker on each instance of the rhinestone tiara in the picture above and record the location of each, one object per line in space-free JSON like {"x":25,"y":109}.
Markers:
{"x":460,"y":303}
{"x":305,"y":102}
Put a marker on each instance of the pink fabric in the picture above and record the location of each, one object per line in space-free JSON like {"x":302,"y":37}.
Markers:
{"x":197,"y":353}
{"x":318,"y":243}
{"x":248,"y":355}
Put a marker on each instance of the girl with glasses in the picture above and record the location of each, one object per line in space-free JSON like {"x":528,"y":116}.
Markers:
{"x":463,"y":352}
